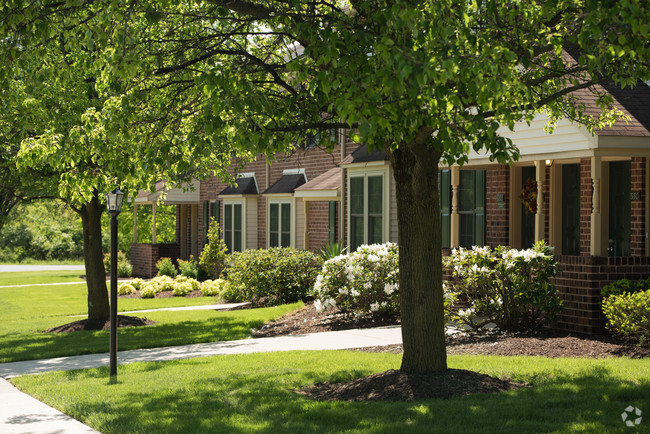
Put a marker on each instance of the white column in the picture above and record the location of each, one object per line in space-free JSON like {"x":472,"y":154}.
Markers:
{"x":596,"y":244}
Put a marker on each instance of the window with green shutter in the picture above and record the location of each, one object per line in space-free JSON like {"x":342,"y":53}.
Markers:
{"x":366,"y":210}
{"x":279,"y":224}
{"x":232,"y":226}
{"x":471,"y":208}
{"x":445,"y":207}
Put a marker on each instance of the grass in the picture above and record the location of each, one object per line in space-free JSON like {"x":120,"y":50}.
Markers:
{"x":32,"y":278}
{"x":31,"y":261}
{"x":26,"y":312}
{"x":254,"y":393}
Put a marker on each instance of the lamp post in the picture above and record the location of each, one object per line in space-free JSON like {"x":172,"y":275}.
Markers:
{"x":114,"y":205}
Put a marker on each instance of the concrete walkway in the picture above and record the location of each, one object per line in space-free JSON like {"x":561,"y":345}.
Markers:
{"x":18,"y":268}
{"x":20,"y":413}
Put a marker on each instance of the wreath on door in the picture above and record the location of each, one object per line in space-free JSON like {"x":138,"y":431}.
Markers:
{"x":529,"y":195}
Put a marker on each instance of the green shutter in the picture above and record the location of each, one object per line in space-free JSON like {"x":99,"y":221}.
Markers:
{"x":331,"y":222}
{"x":479,"y":208}
{"x":206,"y":221}
{"x":445,"y":207}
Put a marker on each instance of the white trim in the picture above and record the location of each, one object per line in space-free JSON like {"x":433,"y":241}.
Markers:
{"x":324,"y":195}
{"x":292,"y":227}
{"x":360,"y":172}
{"x":300,"y":171}
{"x":242,"y":202}
{"x":369,"y":164}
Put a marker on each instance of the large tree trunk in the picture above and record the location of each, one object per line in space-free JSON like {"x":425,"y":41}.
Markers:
{"x":415,"y":170}
{"x":91,"y":218}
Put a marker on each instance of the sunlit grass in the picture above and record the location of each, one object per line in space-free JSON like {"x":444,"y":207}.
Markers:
{"x":34,"y":277}
{"x":255,"y":393}
{"x":27,"y":312}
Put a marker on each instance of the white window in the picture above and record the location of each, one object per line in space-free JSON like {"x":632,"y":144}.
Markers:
{"x":233,"y":225}
{"x":366,"y":205}
{"x":280,"y":223}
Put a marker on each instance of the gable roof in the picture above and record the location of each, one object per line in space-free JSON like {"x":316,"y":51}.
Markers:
{"x":286,"y":184}
{"x":362,"y":155}
{"x":242,"y":186}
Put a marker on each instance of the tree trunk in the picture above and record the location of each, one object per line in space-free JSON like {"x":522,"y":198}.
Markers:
{"x":91,"y":218}
{"x":415,"y":169}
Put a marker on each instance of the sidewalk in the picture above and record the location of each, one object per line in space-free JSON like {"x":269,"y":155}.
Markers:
{"x":20,"y":413}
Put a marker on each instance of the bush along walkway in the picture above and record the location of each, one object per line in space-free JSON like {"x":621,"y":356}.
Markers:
{"x":26,"y":414}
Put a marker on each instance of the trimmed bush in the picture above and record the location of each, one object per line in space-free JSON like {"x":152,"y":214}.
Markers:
{"x":214,"y":288}
{"x":125,"y":289}
{"x":624,"y":286}
{"x":184,"y":285}
{"x":272,"y":276}
{"x":214,"y":253}
{"x":506,"y":286}
{"x":365,"y":281}
{"x":164,"y":283}
{"x":137,"y":283}
{"x":166,"y":267}
{"x":149,"y":290}
{"x":189,"y":268}
{"x":628,"y":314}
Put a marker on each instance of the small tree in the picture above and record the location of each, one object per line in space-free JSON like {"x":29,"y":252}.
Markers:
{"x":214,"y":253}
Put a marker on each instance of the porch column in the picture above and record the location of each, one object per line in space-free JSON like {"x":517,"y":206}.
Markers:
{"x":306,"y":219}
{"x":183,"y":235}
{"x":154,"y":236}
{"x":135,"y":223}
{"x":540,"y":176}
{"x":454,"y":223}
{"x":597,"y":242}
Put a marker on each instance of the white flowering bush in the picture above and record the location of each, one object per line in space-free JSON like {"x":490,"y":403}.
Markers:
{"x":125,"y":289}
{"x":214,"y":288}
{"x":365,"y":281}
{"x":506,"y":286}
{"x":164,"y":283}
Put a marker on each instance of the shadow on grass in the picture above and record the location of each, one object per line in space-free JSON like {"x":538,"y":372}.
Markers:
{"x":259,"y":401}
{"x":47,"y":345}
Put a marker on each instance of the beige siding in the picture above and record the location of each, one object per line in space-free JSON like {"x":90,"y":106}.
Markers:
{"x":392,"y":210}
{"x":299,"y":224}
{"x":251,"y":224}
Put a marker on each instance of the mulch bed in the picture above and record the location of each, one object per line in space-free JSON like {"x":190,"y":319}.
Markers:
{"x":395,"y":385}
{"x":84,"y":324}
{"x":164,"y":294}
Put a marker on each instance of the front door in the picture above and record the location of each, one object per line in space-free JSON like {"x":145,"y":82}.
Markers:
{"x":619,"y":208}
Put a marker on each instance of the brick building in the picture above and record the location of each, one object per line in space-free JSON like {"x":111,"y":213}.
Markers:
{"x":592,"y":203}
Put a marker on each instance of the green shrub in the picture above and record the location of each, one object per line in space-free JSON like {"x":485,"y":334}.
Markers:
{"x":364,"y":281}
{"x":164,"y":283}
{"x":194,"y":284}
{"x":125,"y":289}
{"x":629,"y":314}
{"x":625,"y":286}
{"x":189,"y":268}
{"x":149,"y":290}
{"x":123,"y":264}
{"x":214,"y":253}
{"x":124,"y":269}
{"x":182,"y":288}
{"x":166,"y":267}
{"x":138,"y":283}
{"x":273,"y":276}
{"x":214,"y":288}
{"x":506,"y":286}
{"x":332,"y":250}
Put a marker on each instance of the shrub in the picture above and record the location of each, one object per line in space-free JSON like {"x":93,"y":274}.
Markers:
{"x":195,"y":285}
{"x":163,"y":283}
{"x":166,"y":267}
{"x":122,"y":261}
{"x":182,"y":288}
{"x":361,"y":282}
{"x":138,"y":283}
{"x":629,"y":314}
{"x":124,"y":269}
{"x":189,"y":268}
{"x":214,"y":253}
{"x":625,"y":286}
{"x":214,"y":288}
{"x":273,"y":276}
{"x":125,"y":289}
{"x":149,"y":290}
{"x":332,"y":250}
{"x":508,"y":287}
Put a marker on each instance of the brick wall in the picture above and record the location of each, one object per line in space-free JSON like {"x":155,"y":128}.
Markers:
{"x":497,"y":182}
{"x":580,"y":281}
{"x":637,"y":211}
{"x":318,"y":224}
{"x":145,"y":256}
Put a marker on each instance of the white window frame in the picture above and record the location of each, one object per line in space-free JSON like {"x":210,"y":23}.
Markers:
{"x":366,"y":172}
{"x":279,"y":201}
{"x":242,"y":202}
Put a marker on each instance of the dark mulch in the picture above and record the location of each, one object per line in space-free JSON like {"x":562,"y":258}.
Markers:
{"x":84,"y":324}
{"x":400,"y":386}
{"x":395,"y":385}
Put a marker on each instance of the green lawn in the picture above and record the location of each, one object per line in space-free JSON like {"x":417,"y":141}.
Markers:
{"x":254,"y":393}
{"x":32,"y":277}
{"x":26,"y":312}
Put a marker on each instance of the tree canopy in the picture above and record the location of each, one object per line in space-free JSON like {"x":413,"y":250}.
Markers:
{"x":425,"y":81}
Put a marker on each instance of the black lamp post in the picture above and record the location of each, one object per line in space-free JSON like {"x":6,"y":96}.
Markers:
{"x":114,"y":205}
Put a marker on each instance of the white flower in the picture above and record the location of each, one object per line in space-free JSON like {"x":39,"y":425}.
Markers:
{"x":318,"y":305}
{"x":374,"y":307}
{"x":354,"y":293}
{"x":367,"y":285}
{"x":344,"y":291}
{"x":389,"y":288}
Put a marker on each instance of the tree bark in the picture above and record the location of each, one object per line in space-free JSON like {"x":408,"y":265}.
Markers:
{"x":91,"y":219}
{"x":415,"y":169}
